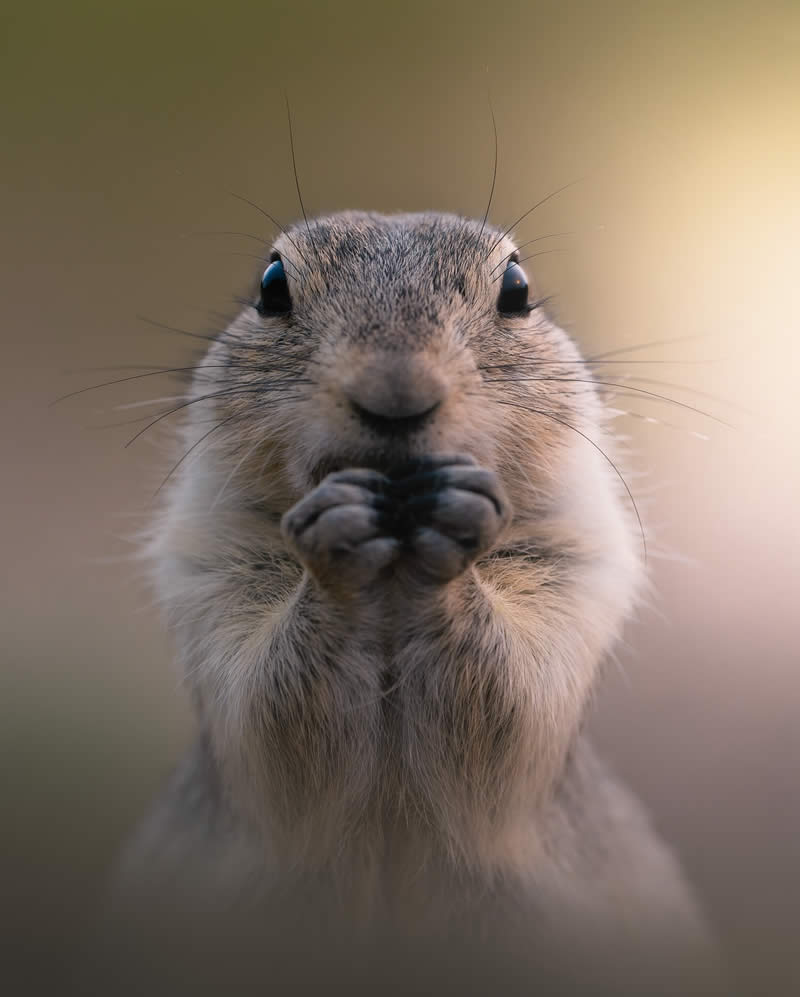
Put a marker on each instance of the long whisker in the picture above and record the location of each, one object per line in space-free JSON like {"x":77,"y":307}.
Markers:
{"x":644,"y":346}
{"x":132,"y":377}
{"x":138,"y":419}
{"x":282,"y":388}
{"x":156,"y":368}
{"x":246,"y":256}
{"x":544,"y":252}
{"x":244,"y":235}
{"x":175,"y":329}
{"x":192,"y":401}
{"x":599,"y":449}
{"x":291,"y":269}
{"x":537,"y":361}
{"x":193,"y":447}
{"x":659,"y":422}
{"x":266,"y":214}
{"x":296,"y":179}
{"x":530,"y":211}
{"x":173,"y":370}
{"x":613,"y":384}
{"x":119,"y":366}
{"x":540,"y":238}
{"x":494,"y":170}
{"x":614,"y":394}
{"x":685,"y":387}
{"x":234,"y":470}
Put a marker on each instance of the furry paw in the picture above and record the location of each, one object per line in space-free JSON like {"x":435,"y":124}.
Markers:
{"x":448,"y":511}
{"x":338,"y":530}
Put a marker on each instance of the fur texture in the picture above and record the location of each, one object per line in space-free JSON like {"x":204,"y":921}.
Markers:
{"x":391,"y":717}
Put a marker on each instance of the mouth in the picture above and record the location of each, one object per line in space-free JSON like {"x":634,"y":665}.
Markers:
{"x":393,"y":464}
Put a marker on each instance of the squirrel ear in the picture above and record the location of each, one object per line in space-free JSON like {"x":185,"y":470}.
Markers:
{"x":274,"y":293}
{"x":513,"y":297}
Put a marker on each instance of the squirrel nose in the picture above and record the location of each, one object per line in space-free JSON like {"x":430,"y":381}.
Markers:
{"x":397,"y":398}
{"x":394,"y":420}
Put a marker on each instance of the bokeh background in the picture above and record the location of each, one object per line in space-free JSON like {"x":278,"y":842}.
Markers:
{"x":124,"y":127}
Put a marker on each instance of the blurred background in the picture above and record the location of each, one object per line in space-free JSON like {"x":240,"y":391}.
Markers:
{"x":124,"y":128}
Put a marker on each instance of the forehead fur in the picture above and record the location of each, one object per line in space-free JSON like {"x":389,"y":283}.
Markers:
{"x":362,"y":236}
{"x":406,"y":267}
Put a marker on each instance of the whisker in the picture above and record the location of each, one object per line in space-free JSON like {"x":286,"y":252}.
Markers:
{"x":234,"y":470}
{"x":149,"y":401}
{"x":540,"y":238}
{"x":494,"y":170}
{"x":644,"y":346}
{"x":269,"y":368}
{"x":613,"y":384}
{"x":123,"y":380}
{"x":530,"y":211}
{"x":193,"y":447}
{"x":599,"y":449}
{"x":175,"y":329}
{"x":536,"y":361}
{"x":177,"y":370}
{"x":291,"y":270}
{"x":192,"y":401}
{"x":685,"y":387}
{"x":615,"y":394}
{"x":266,"y":214}
{"x":119,"y":366}
{"x":247,"y":256}
{"x":659,"y":422}
{"x":244,"y":235}
{"x":544,"y":252}
{"x":137,"y":420}
{"x":169,"y":399}
{"x":297,"y":181}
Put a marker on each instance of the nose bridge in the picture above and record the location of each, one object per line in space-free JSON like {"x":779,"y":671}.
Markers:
{"x":395,"y":385}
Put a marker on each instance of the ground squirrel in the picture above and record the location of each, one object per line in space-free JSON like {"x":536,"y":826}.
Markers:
{"x":393,"y":560}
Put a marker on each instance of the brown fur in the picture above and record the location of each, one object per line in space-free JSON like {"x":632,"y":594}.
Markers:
{"x":389,"y":735}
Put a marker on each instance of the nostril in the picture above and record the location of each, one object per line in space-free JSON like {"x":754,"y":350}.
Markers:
{"x":394,"y":394}
{"x":397,"y":423}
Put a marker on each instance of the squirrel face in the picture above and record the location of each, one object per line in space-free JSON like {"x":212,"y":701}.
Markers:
{"x":377,"y":339}
{"x":374,"y":343}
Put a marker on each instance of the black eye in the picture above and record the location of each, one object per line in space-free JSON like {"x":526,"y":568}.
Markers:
{"x":513,"y":297}
{"x":274,"y":299}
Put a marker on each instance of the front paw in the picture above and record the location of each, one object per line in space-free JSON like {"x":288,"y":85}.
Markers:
{"x":449,"y":511}
{"x":338,"y":530}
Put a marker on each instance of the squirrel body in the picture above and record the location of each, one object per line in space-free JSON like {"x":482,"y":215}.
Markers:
{"x":393,"y":570}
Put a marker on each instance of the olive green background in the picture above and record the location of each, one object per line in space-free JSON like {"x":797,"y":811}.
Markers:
{"x":124,"y":127}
